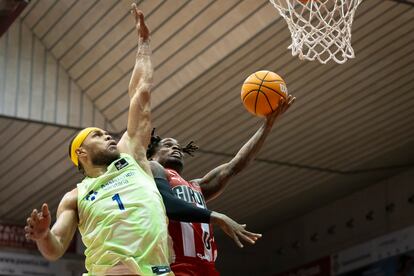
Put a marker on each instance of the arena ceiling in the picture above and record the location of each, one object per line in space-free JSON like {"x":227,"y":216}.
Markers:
{"x":351,"y":126}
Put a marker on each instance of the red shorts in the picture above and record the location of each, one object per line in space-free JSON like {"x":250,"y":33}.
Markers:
{"x":190,"y":267}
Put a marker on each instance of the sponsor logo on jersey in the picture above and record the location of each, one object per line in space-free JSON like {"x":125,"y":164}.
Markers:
{"x":121,"y":163}
{"x":91,"y":195}
{"x":158,"y":270}
{"x":119,"y":180}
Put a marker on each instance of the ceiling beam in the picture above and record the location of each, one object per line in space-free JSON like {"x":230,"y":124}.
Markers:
{"x":406,"y":2}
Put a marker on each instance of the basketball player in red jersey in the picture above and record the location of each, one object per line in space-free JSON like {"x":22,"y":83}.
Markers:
{"x":194,"y":244}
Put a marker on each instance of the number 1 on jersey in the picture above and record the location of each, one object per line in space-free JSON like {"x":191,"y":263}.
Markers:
{"x":117,"y":198}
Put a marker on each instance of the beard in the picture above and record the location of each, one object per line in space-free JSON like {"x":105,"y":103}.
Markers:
{"x":105,"y":158}
{"x":175,"y":164}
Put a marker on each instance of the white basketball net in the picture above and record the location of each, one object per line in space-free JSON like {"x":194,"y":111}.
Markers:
{"x":320,"y":29}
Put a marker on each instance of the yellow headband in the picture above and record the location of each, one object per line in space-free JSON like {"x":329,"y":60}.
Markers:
{"x":77,"y":142}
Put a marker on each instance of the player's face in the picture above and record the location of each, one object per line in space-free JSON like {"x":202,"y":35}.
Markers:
{"x":170,"y":154}
{"x":101,"y":147}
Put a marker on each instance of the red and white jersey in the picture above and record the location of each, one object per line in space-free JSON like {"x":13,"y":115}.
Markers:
{"x":194,"y":240}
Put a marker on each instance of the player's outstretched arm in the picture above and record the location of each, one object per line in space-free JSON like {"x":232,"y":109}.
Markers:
{"x":137,"y":137}
{"x":214,"y":182}
{"x":180,"y":210}
{"x":53,"y":243}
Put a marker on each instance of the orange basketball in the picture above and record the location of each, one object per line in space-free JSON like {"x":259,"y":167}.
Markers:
{"x":262,"y":91}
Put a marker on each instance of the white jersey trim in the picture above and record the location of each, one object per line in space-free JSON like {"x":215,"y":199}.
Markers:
{"x":187,"y":233}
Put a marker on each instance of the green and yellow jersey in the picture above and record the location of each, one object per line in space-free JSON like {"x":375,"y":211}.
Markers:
{"x":122,"y":219}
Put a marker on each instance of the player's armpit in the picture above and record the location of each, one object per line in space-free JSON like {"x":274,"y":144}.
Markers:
{"x":134,"y":147}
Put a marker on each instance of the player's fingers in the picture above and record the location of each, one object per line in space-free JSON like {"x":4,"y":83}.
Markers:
{"x":29,"y":222}
{"x":134,"y":8}
{"x":246,"y":238}
{"x":237,"y":240}
{"x":140,"y":17}
{"x":292,"y":100}
{"x":287,"y":104}
{"x":282,"y":105}
{"x":29,"y":235}
{"x":33,"y":216}
{"x":252,"y":235}
{"x":45,"y":210}
{"x":134,"y":12}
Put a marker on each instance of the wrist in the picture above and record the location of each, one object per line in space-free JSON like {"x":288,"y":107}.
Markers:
{"x":144,"y":48}
{"x":269,"y":121}
{"x":45,"y":236}
{"x":216,"y":218}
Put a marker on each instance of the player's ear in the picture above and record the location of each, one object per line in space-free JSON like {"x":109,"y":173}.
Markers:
{"x":81,"y":152}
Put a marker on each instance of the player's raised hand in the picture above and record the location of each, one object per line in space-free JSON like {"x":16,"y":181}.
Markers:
{"x":234,"y":230}
{"x":141,"y":27}
{"x":38,"y":224}
{"x":282,"y":108}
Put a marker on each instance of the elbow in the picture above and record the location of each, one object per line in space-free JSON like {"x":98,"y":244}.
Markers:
{"x":231,"y":170}
{"x":143,"y":89}
{"x":141,"y":100}
{"x":52,"y":257}
{"x":52,"y":254}
{"x":214,"y":192}
{"x":237,"y":167}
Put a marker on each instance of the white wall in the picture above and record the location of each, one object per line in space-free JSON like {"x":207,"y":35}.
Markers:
{"x":33,"y":85}
{"x":266,"y":258}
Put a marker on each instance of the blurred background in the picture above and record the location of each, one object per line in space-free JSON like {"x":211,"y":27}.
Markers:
{"x":332,"y":190}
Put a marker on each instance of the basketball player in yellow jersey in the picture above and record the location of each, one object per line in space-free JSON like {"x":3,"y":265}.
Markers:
{"x":117,"y":206}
